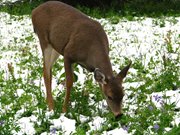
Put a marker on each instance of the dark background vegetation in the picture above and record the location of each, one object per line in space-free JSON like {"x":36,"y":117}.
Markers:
{"x":106,"y":8}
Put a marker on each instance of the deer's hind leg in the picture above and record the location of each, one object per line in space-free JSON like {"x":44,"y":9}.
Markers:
{"x":49,"y":57}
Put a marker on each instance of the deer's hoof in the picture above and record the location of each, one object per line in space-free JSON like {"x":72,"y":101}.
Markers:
{"x":64,"y":110}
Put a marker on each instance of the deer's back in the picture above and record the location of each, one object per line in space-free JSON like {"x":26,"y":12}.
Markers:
{"x":60,"y":24}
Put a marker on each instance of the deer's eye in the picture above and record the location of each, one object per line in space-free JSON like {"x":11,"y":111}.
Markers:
{"x":110,"y":98}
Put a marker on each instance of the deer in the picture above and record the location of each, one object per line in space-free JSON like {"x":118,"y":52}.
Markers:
{"x":64,"y":30}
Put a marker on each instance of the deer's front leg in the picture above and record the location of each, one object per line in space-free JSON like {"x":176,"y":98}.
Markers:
{"x":69,"y":82}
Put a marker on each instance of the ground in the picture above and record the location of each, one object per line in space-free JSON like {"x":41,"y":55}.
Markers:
{"x":152,"y":86}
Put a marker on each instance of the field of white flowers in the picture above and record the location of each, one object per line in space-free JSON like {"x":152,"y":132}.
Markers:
{"x":152,"y":87}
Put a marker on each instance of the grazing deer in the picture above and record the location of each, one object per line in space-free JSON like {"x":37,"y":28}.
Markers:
{"x":64,"y":30}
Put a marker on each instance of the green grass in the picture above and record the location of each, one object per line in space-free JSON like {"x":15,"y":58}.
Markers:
{"x":20,"y":8}
{"x":146,"y":118}
{"x":33,"y":100}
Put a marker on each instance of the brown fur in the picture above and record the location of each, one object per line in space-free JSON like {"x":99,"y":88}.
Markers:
{"x":64,"y":30}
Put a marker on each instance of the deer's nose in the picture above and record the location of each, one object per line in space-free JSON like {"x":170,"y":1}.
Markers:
{"x":118,"y":116}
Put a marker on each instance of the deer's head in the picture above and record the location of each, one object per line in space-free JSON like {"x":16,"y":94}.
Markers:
{"x":112,"y":89}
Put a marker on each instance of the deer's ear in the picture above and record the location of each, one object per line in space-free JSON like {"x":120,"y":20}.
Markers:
{"x":99,"y":76}
{"x":124,"y":71}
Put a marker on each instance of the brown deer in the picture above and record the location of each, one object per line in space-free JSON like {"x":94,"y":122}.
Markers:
{"x":64,"y":30}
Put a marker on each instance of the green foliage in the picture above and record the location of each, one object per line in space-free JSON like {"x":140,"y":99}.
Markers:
{"x":20,"y":7}
{"x":152,"y":8}
{"x":174,"y":131}
{"x":26,"y":75}
{"x":108,"y":9}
